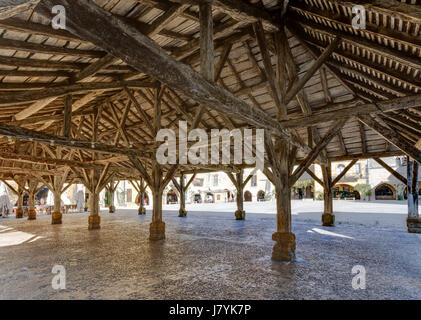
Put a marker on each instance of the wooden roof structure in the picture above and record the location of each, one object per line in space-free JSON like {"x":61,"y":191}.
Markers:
{"x":89,"y":97}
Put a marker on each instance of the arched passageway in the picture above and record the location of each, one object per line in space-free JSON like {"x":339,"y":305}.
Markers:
{"x":385,"y":192}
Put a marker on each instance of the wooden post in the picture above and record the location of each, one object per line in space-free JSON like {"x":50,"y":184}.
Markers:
{"x":111,"y":188}
{"x":240,"y":214}
{"x":56,"y":216}
{"x":182,"y":191}
{"x":328,"y":218}
{"x":94,"y":221}
{"x":32,"y":213}
{"x":284,"y":248}
{"x":19,"y":209}
{"x":414,"y":220}
{"x":142,"y":190}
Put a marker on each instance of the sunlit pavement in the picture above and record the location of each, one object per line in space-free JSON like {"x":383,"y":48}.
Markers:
{"x":210,"y":255}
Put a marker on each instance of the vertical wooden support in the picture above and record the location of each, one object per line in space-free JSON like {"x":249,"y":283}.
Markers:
{"x":328,"y":218}
{"x":414,"y":220}
{"x":19,"y":209}
{"x":56,"y":216}
{"x":94,"y":221}
{"x":157,"y":227}
{"x":284,"y":248}
{"x":111,"y":188}
{"x":182,"y":192}
{"x":67,"y":124}
{"x":240,"y":214}
{"x":142,"y":190}
{"x":32,"y":213}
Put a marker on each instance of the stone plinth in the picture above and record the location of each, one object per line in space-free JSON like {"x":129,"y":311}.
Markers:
{"x":328,"y":220}
{"x":284,"y":248}
{"x":94,"y":222}
{"x":182,"y":213}
{"x":56,"y":218}
{"x":19,"y":213}
{"x":414,"y":225}
{"x":112,"y":209}
{"x":240,"y":215}
{"x":32,"y":214}
{"x":142,"y":210}
{"x":157,"y":231}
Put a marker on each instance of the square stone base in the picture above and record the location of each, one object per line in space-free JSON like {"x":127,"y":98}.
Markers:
{"x":328,"y":220}
{"x":157,"y":231}
{"x":284,"y":248}
{"x":182,"y":213}
{"x":142,"y":210}
{"x":56,"y":218}
{"x":112,"y":209}
{"x":94,"y":222}
{"x":19,"y":213}
{"x":240,"y":215}
{"x":414,"y":225}
{"x":32,"y":214}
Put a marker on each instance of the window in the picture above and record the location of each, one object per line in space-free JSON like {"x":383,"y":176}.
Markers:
{"x":267,"y":187}
{"x":218,"y":197}
{"x":215,"y":180}
{"x":254,"y":181}
{"x":198,"y":182}
{"x":340,"y":168}
{"x":357,"y":168}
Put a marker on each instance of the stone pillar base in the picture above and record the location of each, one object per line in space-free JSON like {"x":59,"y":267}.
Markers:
{"x":414,"y":225}
{"x":32,"y":214}
{"x":86,"y":209}
{"x":240,"y":215}
{"x":182,"y":213}
{"x":284,"y":248}
{"x":112,"y":209}
{"x":328,"y":220}
{"x":94,"y":222}
{"x":157,"y":231}
{"x":56,"y":218}
{"x":142,"y":210}
{"x":19,"y":213}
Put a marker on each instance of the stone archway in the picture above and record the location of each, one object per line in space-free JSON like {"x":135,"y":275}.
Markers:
{"x":171,"y":197}
{"x":385,"y":191}
{"x":247,"y":196}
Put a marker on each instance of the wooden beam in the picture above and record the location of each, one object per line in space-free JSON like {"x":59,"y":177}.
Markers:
{"x":10,"y":8}
{"x":344,"y":172}
{"x":333,"y":131}
{"x":22,"y":97}
{"x":396,"y":174}
{"x":297,"y":86}
{"x":351,"y":108}
{"x":137,"y":50}
{"x":44,"y":138}
{"x":67,"y":123}
{"x":392,"y":136}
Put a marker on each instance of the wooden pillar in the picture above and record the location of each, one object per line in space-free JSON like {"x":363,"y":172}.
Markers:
{"x":182,"y":191}
{"x":19,"y":209}
{"x":328,"y":218}
{"x":94,"y":221}
{"x":32,"y":213}
{"x":414,"y":220}
{"x":142,"y":209}
{"x":284,"y":248}
{"x":56,"y":216}
{"x":240,"y":214}
{"x":112,"y":206}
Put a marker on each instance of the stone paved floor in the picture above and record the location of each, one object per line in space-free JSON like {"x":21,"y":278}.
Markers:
{"x":207,"y":255}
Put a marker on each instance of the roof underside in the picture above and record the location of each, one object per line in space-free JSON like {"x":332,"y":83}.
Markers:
{"x":377,"y":64}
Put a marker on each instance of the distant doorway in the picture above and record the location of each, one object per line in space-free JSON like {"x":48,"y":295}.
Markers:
{"x":247,"y":196}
